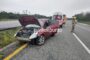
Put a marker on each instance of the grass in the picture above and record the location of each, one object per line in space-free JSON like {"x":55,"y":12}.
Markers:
{"x":86,"y":22}
{"x":7,"y":37}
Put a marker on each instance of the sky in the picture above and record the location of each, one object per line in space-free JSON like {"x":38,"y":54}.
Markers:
{"x":46,"y":7}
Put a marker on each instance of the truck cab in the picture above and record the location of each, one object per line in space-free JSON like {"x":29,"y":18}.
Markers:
{"x":58,"y":17}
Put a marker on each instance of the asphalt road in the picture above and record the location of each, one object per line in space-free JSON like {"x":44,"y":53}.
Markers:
{"x":63,"y":46}
{"x":83,"y":32}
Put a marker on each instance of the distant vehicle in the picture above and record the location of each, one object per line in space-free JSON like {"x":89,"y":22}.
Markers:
{"x":58,"y":17}
{"x":36,"y":31}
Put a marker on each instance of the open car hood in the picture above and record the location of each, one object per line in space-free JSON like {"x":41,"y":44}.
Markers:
{"x":25,"y":20}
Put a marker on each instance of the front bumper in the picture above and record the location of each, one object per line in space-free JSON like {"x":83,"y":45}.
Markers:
{"x":23,"y":39}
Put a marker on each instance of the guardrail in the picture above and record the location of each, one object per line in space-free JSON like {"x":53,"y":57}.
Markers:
{"x":8,"y":28}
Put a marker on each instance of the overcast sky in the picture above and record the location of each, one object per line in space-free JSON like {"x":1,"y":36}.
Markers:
{"x":46,"y":7}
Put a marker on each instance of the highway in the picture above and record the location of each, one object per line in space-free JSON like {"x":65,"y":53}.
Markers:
{"x":8,"y":24}
{"x":63,"y":46}
{"x":83,"y":32}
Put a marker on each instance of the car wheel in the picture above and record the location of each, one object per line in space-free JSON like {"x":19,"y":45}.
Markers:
{"x":40,"y":40}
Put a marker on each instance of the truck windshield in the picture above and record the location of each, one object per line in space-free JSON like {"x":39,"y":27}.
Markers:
{"x":57,"y":17}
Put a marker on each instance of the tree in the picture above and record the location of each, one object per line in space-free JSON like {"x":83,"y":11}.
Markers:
{"x":10,"y":15}
{"x":83,"y":16}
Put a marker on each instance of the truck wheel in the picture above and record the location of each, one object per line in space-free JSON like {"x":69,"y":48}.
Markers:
{"x":40,"y":40}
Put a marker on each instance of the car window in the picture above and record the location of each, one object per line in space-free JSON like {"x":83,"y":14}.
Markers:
{"x":52,"y":21}
{"x":46,"y":24}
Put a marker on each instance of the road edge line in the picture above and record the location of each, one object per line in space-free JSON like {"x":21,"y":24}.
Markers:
{"x":85,"y":47}
{"x":15,"y":52}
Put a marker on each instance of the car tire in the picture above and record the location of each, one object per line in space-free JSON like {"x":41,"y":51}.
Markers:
{"x":40,"y":40}
{"x":61,"y":26}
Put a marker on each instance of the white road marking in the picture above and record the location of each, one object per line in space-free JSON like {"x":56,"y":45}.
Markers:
{"x":86,"y":48}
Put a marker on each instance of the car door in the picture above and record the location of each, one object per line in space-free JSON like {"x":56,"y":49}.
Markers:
{"x":47,"y":29}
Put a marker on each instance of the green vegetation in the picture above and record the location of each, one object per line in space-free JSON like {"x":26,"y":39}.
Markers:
{"x":83,"y":17}
{"x":86,"y":22}
{"x":7,"y":36}
{"x":10,"y":15}
{"x":1,"y":55}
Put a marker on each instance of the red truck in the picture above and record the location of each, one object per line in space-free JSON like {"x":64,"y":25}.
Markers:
{"x":34,"y":30}
{"x":59,"y":18}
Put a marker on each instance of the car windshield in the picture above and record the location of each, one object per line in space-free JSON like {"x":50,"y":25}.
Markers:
{"x":52,"y":21}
